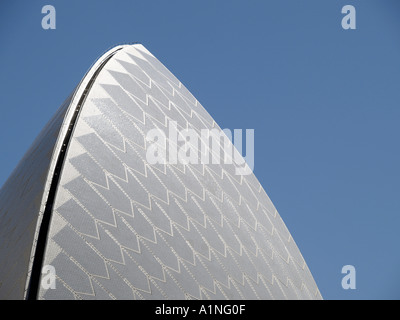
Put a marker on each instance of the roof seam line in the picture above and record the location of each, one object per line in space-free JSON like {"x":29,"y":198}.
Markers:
{"x":33,"y":288}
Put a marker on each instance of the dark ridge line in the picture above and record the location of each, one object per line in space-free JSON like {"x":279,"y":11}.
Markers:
{"x":34,"y":281}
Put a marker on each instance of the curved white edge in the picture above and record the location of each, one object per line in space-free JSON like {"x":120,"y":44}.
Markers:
{"x":77,"y":95}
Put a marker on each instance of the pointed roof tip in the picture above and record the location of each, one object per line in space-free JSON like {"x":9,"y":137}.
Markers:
{"x":124,"y":44}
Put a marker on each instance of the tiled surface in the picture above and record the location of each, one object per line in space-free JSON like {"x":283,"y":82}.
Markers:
{"x":20,"y":207}
{"x":125,"y":229}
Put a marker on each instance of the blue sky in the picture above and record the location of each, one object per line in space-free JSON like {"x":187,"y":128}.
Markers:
{"x":324,"y":103}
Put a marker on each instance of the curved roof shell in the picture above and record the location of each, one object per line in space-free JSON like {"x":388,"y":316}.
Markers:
{"x":85,"y":201}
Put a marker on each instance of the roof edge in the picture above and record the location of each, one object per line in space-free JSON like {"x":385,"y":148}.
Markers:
{"x":56,"y":165}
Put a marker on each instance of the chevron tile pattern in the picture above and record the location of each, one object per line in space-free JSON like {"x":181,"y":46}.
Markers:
{"x":125,"y":229}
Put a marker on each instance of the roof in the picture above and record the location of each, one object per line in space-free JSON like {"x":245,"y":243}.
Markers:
{"x":115,"y":226}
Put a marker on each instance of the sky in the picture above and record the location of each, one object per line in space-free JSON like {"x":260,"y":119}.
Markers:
{"x":323,"y":101}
